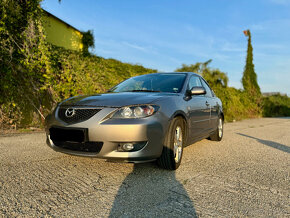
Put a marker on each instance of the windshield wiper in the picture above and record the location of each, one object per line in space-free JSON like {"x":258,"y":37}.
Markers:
{"x":137,"y":90}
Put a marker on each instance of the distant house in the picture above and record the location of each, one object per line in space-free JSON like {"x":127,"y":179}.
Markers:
{"x":267,"y":94}
{"x":61,"y":34}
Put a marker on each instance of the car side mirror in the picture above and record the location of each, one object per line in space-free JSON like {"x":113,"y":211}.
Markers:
{"x":197,"y":91}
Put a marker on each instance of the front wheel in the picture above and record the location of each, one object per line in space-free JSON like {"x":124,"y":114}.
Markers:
{"x":217,"y":135}
{"x":173,"y":145}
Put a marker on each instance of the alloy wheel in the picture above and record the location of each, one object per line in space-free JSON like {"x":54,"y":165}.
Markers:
{"x":177,"y":144}
{"x":220,"y":128}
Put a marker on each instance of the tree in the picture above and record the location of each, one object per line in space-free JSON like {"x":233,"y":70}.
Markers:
{"x":249,"y":79}
{"x":214,"y":77}
{"x":88,"y":41}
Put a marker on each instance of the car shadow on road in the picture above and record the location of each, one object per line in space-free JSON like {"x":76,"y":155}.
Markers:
{"x":272,"y":144}
{"x":152,"y":192}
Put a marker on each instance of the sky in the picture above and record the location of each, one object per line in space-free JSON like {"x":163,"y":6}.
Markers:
{"x":165,"y":34}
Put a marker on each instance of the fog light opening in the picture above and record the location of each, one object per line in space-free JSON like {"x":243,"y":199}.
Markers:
{"x":128,"y":146}
{"x":131,"y":146}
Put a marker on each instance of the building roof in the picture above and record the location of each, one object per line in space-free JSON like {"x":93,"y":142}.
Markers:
{"x":49,"y":14}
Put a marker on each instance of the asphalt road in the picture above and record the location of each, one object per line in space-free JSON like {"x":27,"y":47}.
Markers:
{"x":246,"y":174}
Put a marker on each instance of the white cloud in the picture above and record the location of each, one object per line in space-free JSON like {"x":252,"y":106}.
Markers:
{"x":138,"y":47}
{"x":257,"y":27}
{"x":231,"y":47}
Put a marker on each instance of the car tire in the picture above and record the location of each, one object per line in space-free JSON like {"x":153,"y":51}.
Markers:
{"x":217,"y":135}
{"x":171,"y":156}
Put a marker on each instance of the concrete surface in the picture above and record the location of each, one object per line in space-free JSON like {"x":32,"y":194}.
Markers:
{"x":246,"y":174}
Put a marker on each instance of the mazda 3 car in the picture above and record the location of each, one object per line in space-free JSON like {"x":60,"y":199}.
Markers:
{"x":144,"y":118}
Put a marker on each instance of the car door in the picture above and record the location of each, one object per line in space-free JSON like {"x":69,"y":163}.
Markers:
{"x":198,"y":109}
{"x":213,"y":106}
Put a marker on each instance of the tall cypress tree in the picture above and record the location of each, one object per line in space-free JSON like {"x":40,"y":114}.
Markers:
{"x":249,"y":79}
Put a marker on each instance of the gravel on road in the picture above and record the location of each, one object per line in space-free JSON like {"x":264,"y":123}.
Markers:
{"x":246,"y":174}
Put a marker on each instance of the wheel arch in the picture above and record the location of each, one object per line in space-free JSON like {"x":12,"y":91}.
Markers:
{"x":222,"y":115}
{"x":184,"y":117}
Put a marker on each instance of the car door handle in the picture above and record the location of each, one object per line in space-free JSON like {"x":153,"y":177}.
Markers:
{"x":206,"y":103}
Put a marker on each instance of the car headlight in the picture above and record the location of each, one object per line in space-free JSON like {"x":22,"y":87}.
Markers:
{"x":138,"y":111}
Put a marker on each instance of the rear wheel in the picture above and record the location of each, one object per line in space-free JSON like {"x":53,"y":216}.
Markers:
{"x":217,"y":135}
{"x":173,"y":145}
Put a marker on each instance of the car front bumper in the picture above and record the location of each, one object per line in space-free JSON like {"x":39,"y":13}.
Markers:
{"x":113,"y":132}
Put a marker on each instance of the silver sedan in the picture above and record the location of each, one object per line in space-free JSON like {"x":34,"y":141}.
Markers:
{"x":145,"y":118}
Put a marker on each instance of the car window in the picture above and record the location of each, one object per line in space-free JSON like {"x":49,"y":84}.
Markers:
{"x":207,"y":88}
{"x":194,"y":82}
{"x":159,"y":82}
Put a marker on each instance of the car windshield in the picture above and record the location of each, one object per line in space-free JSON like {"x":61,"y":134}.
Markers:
{"x":159,"y":82}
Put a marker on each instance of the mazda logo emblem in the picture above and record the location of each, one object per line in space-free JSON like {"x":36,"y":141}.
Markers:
{"x":70,"y":112}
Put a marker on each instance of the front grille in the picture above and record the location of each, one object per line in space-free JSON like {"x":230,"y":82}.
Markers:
{"x":75,"y":139}
{"x":76,"y":115}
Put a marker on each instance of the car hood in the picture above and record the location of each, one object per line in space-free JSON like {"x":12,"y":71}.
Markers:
{"x":115,"y":99}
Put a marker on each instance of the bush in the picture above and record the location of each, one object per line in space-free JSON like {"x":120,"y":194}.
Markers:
{"x":24,"y":61}
{"x":75,"y":74}
{"x":276,"y":106}
{"x":236,"y":104}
